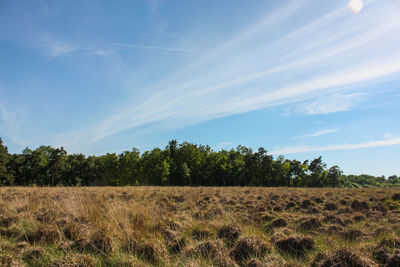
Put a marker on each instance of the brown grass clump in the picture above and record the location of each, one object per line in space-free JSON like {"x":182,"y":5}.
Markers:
{"x":352,"y":234}
{"x":149,"y":251}
{"x":381,"y":255}
{"x":278,"y":223}
{"x":396,"y":196}
{"x":9,"y":261}
{"x":379,"y":207}
{"x":277,"y":208}
{"x":296,"y":246}
{"x":383,"y":252}
{"x":334,"y":229}
{"x":44,"y":215}
{"x":33,"y":254}
{"x":318,"y":200}
{"x":394,"y":259}
{"x":311,"y":224}
{"x":209,"y":249}
{"x":290,"y":205}
{"x":342,"y":258}
{"x":266,"y":217}
{"x":101,"y":242}
{"x":306,"y":203}
{"x":76,"y":229}
{"x":359,"y":218}
{"x":330,"y":206}
{"x":201,"y":234}
{"x":175,"y":243}
{"x":275,"y":197}
{"x":249,"y":247}
{"x":344,"y":211}
{"x":334,"y":219}
{"x":359,"y":206}
{"x":8,"y":220}
{"x":42,"y":233}
{"x":229,"y":234}
{"x":390,"y":243}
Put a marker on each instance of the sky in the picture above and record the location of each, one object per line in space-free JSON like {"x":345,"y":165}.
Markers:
{"x":301,"y":78}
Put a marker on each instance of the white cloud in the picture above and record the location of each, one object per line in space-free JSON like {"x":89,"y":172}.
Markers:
{"x":330,"y":104}
{"x":303,"y":149}
{"x":318,"y":133}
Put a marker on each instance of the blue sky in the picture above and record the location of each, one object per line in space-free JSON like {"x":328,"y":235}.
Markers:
{"x":300,"y":78}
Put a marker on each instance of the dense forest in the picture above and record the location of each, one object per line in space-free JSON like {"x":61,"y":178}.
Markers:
{"x":184,"y":164}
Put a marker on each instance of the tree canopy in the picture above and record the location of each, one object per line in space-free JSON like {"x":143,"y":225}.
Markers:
{"x":178,"y":164}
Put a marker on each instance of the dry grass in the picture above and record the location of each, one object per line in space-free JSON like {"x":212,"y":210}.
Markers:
{"x":182,"y":226}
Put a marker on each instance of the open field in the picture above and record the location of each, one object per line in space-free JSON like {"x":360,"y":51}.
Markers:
{"x":183,"y":226}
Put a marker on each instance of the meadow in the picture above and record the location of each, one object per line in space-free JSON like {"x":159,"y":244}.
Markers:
{"x":199,"y":226}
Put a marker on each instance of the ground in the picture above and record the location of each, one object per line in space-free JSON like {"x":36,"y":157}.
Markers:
{"x":199,"y":226}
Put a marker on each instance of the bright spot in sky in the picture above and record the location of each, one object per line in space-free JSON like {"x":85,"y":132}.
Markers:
{"x":356,"y":6}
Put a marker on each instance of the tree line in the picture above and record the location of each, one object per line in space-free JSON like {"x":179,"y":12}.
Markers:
{"x":184,"y":164}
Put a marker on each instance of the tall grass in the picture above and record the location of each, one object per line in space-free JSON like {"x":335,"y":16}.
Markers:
{"x":185,"y":226}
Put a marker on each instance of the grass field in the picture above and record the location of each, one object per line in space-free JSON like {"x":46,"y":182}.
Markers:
{"x":179,"y":226}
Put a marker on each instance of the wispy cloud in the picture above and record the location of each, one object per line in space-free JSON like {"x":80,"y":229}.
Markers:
{"x":305,"y":149}
{"x":333,"y":103}
{"x":56,"y":47}
{"x":169,"y":49}
{"x":323,"y":58}
{"x":318,"y":133}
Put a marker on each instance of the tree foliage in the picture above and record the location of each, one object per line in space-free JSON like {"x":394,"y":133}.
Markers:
{"x":5,"y":176}
{"x":184,"y":164}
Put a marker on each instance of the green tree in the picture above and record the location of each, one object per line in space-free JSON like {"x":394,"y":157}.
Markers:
{"x":129,"y":167}
{"x":318,"y":174}
{"x":57,"y":162}
{"x":155,"y":168}
{"x":5,"y":177}
{"x":106,"y":170}
{"x":334,"y":174}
